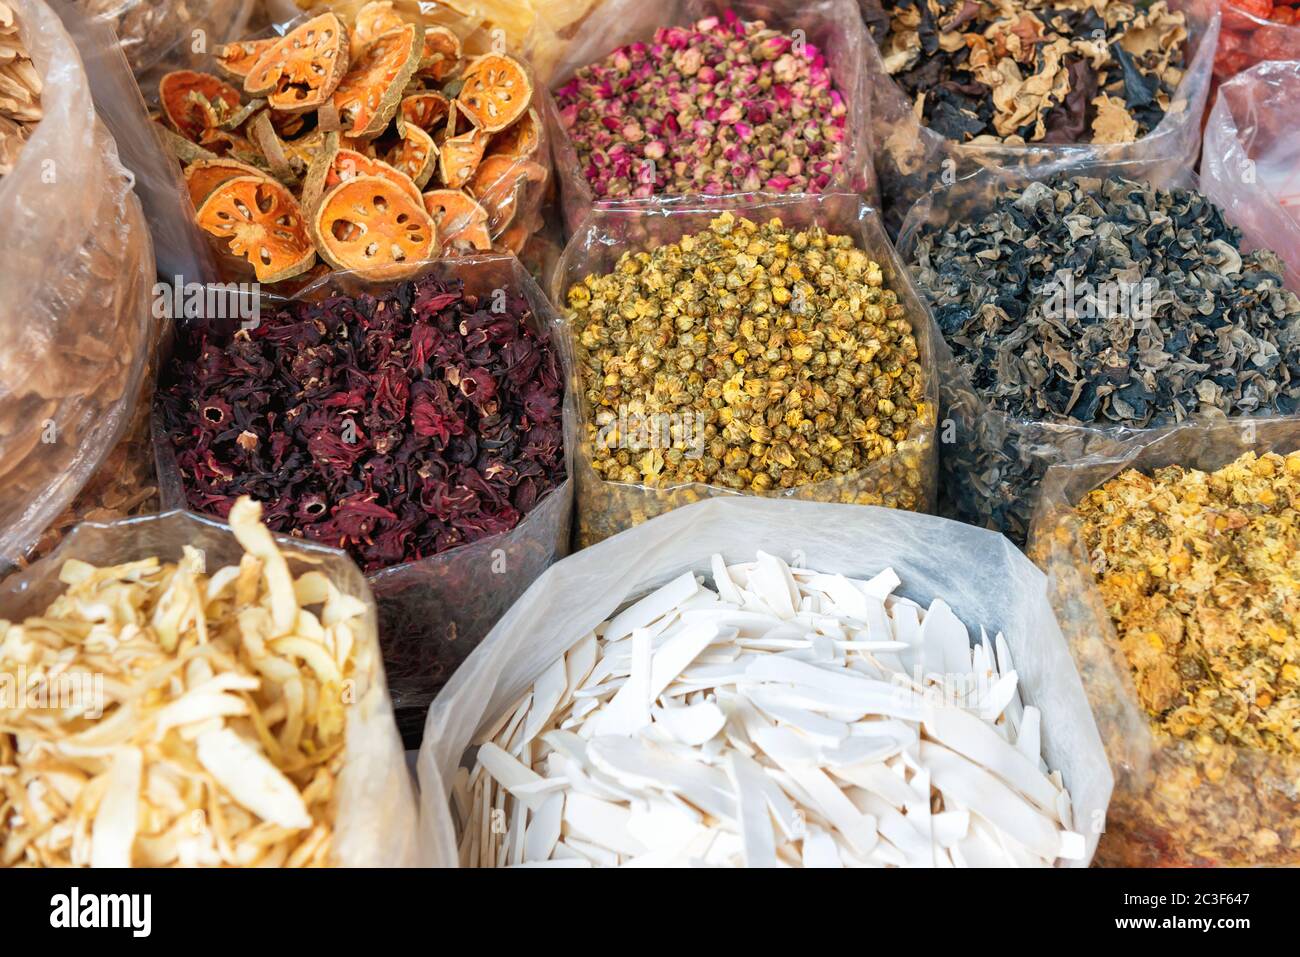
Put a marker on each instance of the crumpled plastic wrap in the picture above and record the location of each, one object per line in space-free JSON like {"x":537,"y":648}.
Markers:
{"x":163,"y":33}
{"x":1251,"y":161}
{"x":991,"y":462}
{"x":911,"y":158}
{"x":1169,"y":808}
{"x":831,"y":25}
{"x":75,"y":307}
{"x":980,"y":574}
{"x":905,"y":479}
{"x":376,"y":814}
{"x":433,"y":612}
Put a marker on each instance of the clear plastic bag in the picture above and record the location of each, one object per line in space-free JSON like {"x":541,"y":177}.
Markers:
{"x":911,"y":158}
{"x":991,"y":462}
{"x":168,"y":34}
{"x":1246,"y":40}
{"x":985,"y":580}
{"x":434,"y":611}
{"x":1251,"y":162}
{"x":376,"y":812}
{"x":833,"y":26}
{"x":75,"y":285}
{"x":905,"y":479}
{"x":1169,"y":808}
{"x":517,"y":192}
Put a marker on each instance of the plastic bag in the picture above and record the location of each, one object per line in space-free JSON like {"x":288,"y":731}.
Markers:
{"x":985,"y":580}
{"x":1166,"y":810}
{"x":1251,"y":162}
{"x":906,"y":479}
{"x":1246,"y":40}
{"x":434,"y":611}
{"x":911,"y":158}
{"x":514,"y":194}
{"x":74,"y":296}
{"x":833,"y":26}
{"x":991,"y":462}
{"x":169,"y":34}
{"x":376,"y":812}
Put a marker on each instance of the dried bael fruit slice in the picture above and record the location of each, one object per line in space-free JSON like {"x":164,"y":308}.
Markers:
{"x":416,"y":156}
{"x":520,"y":139}
{"x":184,"y":150}
{"x":370,"y":94}
{"x":369,"y":225}
{"x":425,"y":110}
{"x":496,"y":92}
{"x":194,"y":102}
{"x":461,"y":222}
{"x":262,"y":133}
{"x":461,"y":156}
{"x":499,"y":184}
{"x":202,"y":177}
{"x":334,"y":165}
{"x":261,"y":221}
{"x":238,"y":59}
{"x":304,"y":68}
{"x":372,"y":22}
{"x":441,"y":55}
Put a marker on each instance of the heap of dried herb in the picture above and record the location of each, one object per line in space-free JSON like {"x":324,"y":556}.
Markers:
{"x":396,"y":426}
{"x":1090,"y":302}
{"x":1037,"y":71}
{"x":723,"y":105}
{"x":1197,"y":572}
{"x":770,"y":357}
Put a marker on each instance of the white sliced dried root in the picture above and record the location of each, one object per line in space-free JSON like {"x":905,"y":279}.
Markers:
{"x":789,"y":718}
{"x":20,"y":91}
{"x":223,"y":701}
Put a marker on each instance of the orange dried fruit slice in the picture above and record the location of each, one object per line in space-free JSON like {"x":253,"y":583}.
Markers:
{"x":372,"y":227}
{"x":425,"y":110}
{"x":335,"y":164}
{"x":441,"y":54}
{"x":260,"y":220}
{"x":461,"y":156}
{"x":238,"y":59}
{"x":416,"y":155}
{"x":460,"y":220}
{"x":371,"y":92}
{"x":495,"y":92}
{"x":304,"y":68}
{"x":194,"y":102}
{"x":522,"y":138}
{"x":204,"y":176}
{"x":499,"y":183}
{"x":372,"y":22}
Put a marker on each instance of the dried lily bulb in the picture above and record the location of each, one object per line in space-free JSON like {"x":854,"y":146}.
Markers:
{"x":200,"y":717}
{"x":782,"y":718}
{"x":20,"y":91}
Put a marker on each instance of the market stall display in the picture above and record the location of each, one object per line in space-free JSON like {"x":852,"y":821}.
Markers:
{"x":372,"y":146}
{"x":765,"y":349}
{"x":420,"y":426}
{"x":1032,"y":84}
{"x":223,"y":714}
{"x":1078,"y":309}
{"x":1173,"y":580}
{"x":665,"y":697}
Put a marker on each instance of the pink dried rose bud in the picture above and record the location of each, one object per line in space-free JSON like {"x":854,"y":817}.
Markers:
{"x":717,"y":100}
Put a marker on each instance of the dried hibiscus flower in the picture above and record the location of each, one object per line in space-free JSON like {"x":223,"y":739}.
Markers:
{"x":394,"y":426}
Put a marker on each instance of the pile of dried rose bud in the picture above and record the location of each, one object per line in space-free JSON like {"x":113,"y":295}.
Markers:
{"x":396,"y":426}
{"x":721,"y":106}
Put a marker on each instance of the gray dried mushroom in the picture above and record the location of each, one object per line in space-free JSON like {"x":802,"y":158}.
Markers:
{"x":20,"y":91}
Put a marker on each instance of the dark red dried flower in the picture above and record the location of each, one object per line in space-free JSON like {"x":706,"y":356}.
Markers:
{"x":396,"y":426}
